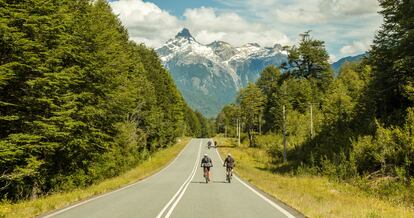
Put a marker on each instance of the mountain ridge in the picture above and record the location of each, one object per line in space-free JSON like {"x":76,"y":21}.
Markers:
{"x":210,"y":76}
{"x":336,"y":66}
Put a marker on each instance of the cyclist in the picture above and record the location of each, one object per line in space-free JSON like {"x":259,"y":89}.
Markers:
{"x":206,"y":163}
{"x":209,"y":144}
{"x":229,"y":164}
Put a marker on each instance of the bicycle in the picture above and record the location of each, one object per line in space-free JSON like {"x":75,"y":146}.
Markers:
{"x":229,"y":174}
{"x":207,"y":174}
{"x":206,"y":163}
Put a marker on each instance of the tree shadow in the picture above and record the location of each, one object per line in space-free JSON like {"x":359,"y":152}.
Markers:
{"x":279,"y":168}
{"x":225,"y":146}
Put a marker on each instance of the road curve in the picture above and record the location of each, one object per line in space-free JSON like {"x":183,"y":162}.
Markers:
{"x":179,"y":191}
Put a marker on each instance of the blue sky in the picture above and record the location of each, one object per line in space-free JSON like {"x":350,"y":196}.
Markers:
{"x":177,"y":8}
{"x":347,"y":27}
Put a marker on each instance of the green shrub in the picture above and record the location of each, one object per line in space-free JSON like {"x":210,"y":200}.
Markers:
{"x":390,"y":150}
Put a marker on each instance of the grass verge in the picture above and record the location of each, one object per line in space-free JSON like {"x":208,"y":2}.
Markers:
{"x":59,"y":200}
{"x":313,"y":196}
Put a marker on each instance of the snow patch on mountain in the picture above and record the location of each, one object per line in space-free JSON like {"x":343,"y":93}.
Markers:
{"x":209,"y":76}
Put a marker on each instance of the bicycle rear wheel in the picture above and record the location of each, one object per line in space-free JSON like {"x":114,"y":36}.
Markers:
{"x":228,"y":176}
{"x":206,"y":175}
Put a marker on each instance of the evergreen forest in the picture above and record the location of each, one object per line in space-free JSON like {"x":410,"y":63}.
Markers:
{"x":79,"y":101}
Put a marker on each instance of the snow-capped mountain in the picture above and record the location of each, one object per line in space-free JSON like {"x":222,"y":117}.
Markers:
{"x":209,"y":76}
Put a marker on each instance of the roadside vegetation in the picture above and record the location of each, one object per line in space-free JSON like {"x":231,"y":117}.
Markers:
{"x":314,"y":196}
{"x":355,"y":128}
{"x":32,"y":208}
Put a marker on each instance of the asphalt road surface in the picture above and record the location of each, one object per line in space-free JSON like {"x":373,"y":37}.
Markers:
{"x":180,"y":191}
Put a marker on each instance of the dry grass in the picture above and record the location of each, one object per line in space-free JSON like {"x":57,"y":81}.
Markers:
{"x":39,"y":206}
{"x":313,"y":196}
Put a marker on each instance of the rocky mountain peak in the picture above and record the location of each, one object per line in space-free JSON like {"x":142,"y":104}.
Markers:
{"x":184,"y":33}
{"x":210,"y":75}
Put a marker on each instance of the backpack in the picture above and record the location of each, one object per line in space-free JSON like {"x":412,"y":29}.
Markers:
{"x":206,"y":162}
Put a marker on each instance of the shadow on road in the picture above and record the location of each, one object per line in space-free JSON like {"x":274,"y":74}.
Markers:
{"x":203,"y":182}
{"x":219,"y":181}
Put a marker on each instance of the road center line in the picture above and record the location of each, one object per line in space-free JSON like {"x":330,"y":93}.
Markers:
{"x":183,"y":187}
{"x":116,"y":190}
{"x":273,"y":204}
{"x":186,"y":186}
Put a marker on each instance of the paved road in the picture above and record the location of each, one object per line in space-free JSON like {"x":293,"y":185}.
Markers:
{"x":179,"y":190}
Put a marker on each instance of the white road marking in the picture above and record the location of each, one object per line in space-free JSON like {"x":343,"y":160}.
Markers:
{"x":186,"y":186}
{"x":117,"y":190}
{"x":260,"y":195}
{"x":183,"y":187}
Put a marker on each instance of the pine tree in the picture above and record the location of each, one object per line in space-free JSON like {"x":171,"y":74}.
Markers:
{"x":269,"y":82}
{"x":251,"y":100}
{"x":392,"y":57}
{"x":310,"y":60}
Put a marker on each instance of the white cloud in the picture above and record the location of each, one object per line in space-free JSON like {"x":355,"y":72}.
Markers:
{"x":308,"y":11}
{"x":208,"y":25}
{"x":332,"y":58}
{"x":338,"y":8}
{"x":207,"y":19}
{"x":145,"y":21}
{"x":337,"y":22}
{"x":357,"y":47}
{"x":346,"y":27}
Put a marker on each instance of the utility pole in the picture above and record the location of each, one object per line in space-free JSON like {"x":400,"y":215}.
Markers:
{"x":237,"y":128}
{"x":284,"y":134}
{"x":260,"y":124}
{"x":284,"y":122}
{"x":238,"y":132}
{"x":311,"y":121}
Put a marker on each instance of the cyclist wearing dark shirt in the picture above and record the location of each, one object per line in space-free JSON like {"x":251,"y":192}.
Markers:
{"x":209,"y":144}
{"x":229,"y":163}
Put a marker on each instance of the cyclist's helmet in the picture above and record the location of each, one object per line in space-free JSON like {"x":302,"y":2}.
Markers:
{"x":205,"y":155}
{"x":229,"y":155}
